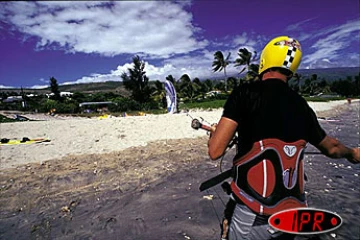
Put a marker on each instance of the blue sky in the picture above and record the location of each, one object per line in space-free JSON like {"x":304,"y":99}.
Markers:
{"x":80,"y":41}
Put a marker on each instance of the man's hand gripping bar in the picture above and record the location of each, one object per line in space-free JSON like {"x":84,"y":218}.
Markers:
{"x":196,"y":124}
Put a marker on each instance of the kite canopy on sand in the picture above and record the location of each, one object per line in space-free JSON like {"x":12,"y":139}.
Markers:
{"x":170,"y":97}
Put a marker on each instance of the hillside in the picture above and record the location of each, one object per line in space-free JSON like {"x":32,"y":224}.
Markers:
{"x":329,"y":74}
{"x":116,"y":87}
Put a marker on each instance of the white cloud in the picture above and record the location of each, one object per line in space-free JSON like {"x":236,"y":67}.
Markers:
{"x":240,"y":40}
{"x":321,"y":63}
{"x":300,"y":25}
{"x":39,"y":86}
{"x":195,"y":66}
{"x":333,"y":44}
{"x":198,"y":64}
{"x":244,"y":40}
{"x":163,"y":33}
{"x":3,"y":86}
{"x":95,"y":78}
{"x":43,"y":80}
{"x":158,"y":28}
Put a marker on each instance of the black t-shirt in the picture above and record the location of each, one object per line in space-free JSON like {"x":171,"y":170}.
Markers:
{"x":271,"y":109}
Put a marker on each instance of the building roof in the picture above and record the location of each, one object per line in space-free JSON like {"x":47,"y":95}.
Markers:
{"x":94,"y":103}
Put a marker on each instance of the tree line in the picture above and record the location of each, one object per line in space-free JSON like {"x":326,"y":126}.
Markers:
{"x":149,"y":95}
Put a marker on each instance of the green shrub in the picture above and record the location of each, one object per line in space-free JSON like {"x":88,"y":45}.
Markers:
{"x":61,"y":107}
{"x":124,"y":104}
{"x":149,"y":106}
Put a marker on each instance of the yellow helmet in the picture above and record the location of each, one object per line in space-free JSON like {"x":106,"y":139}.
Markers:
{"x":281,"y":52}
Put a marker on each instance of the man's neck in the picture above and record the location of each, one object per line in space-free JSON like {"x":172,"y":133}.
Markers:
{"x":274,"y":74}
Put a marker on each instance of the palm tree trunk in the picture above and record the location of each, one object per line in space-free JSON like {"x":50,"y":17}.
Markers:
{"x":225,"y":79}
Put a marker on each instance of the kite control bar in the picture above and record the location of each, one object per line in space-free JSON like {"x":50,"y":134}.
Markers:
{"x":196,"y":124}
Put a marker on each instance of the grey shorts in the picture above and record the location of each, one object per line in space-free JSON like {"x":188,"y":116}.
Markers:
{"x":242,"y":227}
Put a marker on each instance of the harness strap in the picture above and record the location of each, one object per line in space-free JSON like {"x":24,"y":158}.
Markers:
{"x":216,"y":180}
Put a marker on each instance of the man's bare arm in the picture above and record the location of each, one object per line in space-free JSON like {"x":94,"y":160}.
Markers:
{"x":221,"y":137}
{"x":333,"y":148}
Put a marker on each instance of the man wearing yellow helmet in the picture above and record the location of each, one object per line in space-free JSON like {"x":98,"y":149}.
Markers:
{"x":281,"y":53}
{"x":273,"y":124}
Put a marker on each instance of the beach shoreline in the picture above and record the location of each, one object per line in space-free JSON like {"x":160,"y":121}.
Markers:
{"x":77,"y":136}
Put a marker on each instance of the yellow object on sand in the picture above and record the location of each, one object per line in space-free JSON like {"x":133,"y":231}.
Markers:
{"x":17,"y":141}
{"x":104,"y":116}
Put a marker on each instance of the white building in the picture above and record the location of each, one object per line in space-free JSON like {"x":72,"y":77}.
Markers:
{"x":62,"y":94}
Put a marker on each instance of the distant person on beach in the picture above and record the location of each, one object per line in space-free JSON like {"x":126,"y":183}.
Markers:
{"x":274,"y":125}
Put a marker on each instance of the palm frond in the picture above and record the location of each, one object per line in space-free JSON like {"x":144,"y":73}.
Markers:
{"x":254,"y":57}
{"x":242,"y":70}
{"x":228,"y":57}
{"x":217,"y":67}
{"x":244,"y":57}
{"x":254,"y":68}
{"x":218,"y":55}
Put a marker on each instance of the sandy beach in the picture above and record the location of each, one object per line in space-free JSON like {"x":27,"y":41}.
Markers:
{"x":76,"y":136}
{"x":138,"y":178}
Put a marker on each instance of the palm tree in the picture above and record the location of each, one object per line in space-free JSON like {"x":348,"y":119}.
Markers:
{"x":245,"y":58}
{"x":209,"y":85}
{"x":252,"y":73}
{"x":220,"y":63}
{"x":199,"y":88}
{"x":232,"y":82}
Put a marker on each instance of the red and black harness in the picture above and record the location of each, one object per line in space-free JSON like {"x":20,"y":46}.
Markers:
{"x":269,"y":178}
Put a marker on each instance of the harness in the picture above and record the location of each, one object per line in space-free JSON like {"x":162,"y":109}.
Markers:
{"x":270,"y":177}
